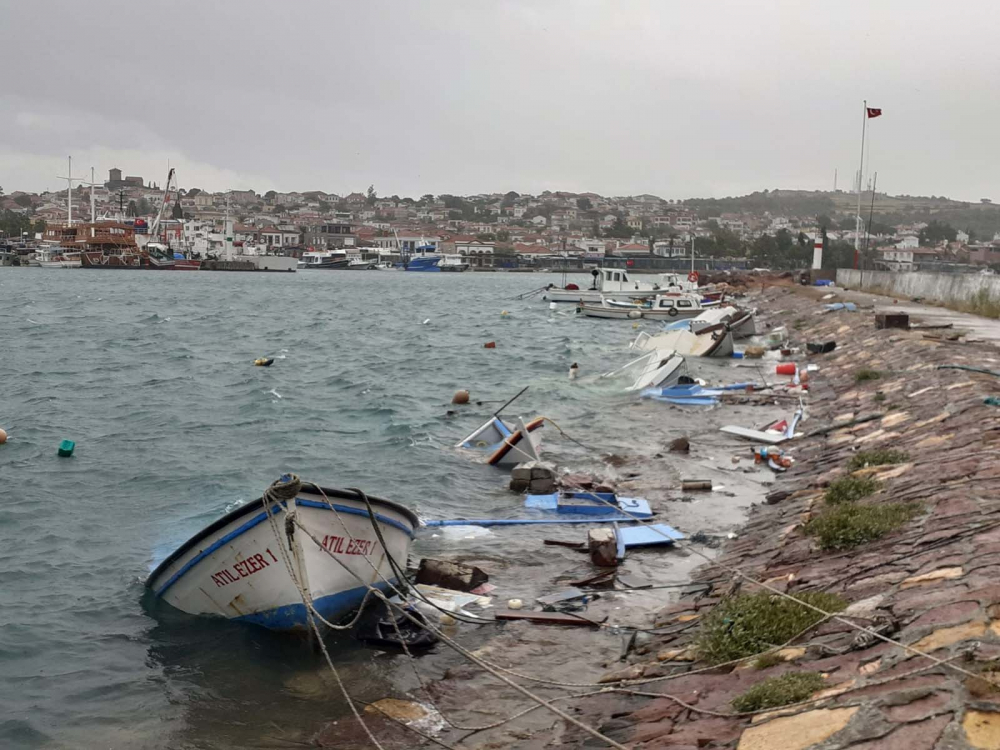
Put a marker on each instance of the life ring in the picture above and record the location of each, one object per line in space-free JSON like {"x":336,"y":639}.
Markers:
{"x":672,"y":312}
{"x":693,"y":277}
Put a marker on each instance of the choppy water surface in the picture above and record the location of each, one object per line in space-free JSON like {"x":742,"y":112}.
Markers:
{"x":151,"y":374}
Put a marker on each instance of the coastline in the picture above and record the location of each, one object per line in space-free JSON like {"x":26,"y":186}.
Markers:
{"x":930,"y":585}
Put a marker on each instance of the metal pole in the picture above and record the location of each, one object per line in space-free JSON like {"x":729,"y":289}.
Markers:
{"x":861,"y":172}
{"x":69,"y":192}
{"x":93,"y":205}
{"x":497,"y":412}
{"x":871,"y":211}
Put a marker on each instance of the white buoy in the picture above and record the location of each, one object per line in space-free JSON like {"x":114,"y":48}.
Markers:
{"x":426,"y":322}
{"x":553,"y":306}
{"x":573,"y":370}
{"x":633,"y":314}
{"x":514,"y":604}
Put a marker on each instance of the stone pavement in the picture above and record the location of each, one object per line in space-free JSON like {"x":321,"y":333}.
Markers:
{"x":933,"y":584}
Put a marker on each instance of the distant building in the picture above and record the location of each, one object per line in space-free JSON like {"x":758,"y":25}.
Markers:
{"x":325,"y":236}
{"x":477,"y":254}
{"x":117,"y":182}
{"x":908,"y":242}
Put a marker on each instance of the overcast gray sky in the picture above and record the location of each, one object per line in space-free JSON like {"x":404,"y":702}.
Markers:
{"x":680,"y":99}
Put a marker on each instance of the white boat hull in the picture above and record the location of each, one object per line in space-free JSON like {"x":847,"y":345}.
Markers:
{"x":235,"y":569}
{"x":506,"y":446}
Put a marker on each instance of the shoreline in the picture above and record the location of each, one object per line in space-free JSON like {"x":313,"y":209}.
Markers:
{"x":930,"y":585}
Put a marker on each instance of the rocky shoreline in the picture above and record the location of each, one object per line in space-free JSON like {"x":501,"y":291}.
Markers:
{"x":932,"y":584}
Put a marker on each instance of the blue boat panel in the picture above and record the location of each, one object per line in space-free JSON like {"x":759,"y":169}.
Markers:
{"x":652,"y":534}
{"x":542,"y":502}
{"x":294,"y":616}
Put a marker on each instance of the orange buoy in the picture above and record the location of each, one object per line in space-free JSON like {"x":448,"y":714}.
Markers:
{"x":490,"y":345}
{"x":460,"y":397}
{"x":3,"y":436}
{"x":786,"y":368}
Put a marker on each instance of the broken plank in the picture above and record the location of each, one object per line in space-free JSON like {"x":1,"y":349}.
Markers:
{"x":546,"y":618}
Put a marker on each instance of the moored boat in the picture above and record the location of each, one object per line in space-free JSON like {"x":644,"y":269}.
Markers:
{"x":614,"y":283}
{"x":320,"y":259}
{"x":663,"y":307}
{"x":254,"y":563}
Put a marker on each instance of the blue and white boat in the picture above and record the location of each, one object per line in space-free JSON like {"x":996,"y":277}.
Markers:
{"x":424,"y":258}
{"x":251,"y":568}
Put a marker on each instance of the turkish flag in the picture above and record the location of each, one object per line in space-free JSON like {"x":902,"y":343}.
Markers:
{"x":874,"y":112}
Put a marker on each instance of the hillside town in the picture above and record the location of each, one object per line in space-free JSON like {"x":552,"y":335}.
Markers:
{"x":495,"y":231}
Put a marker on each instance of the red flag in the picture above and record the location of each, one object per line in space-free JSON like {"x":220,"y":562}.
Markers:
{"x":874,"y":112}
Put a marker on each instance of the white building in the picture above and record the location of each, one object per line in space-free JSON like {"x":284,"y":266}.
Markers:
{"x":477,"y":254}
{"x":908,"y":242}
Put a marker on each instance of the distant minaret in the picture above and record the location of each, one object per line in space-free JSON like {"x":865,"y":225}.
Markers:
{"x":835,"y":180}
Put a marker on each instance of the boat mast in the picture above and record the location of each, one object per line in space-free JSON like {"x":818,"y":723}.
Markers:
{"x":69,"y":191}
{"x":692,"y":252}
{"x":93,"y":204}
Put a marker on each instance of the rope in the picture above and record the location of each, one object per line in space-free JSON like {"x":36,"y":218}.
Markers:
{"x":284,"y":490}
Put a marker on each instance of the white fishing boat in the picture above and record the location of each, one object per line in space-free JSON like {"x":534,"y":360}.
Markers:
{"x":711,"y":341}
{"x":741,"y":323}
{"x":615,"y":283}
{"x":657,"y":368}
{"x":236,"y":566}
{"x":663,"y":307}
{"x":506,"y":445}
{"x":453,"y":263}
{"x":323,"y":259}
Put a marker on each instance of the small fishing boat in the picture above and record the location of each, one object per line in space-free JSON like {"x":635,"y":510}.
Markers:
{"x":506,"y":445}
{"x":663,"y":307}
{"x":453,"y":263}
{"x":253,"y":564}
{"x":316,"y":259}
{"x":357,"y":264}
{"x":615,"y":283}
{"x":741,"y":323}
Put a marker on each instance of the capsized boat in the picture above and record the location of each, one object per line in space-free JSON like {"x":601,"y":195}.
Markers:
{"x":692,"y":394}
{"x":506,"y":445}
{"x":742,"y":323}
{"x":659,"y":367}
{"x":711,"y":341}
{"x":236,"y":566}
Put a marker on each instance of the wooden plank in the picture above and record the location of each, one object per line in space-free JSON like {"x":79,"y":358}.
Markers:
{"x":547,"y":618}
{"x":764,"y":437}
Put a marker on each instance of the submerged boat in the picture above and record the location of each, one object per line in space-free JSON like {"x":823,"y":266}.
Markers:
{"x":507,"y":445}
{"x":236,"y":566}
{"x":655,"y":368}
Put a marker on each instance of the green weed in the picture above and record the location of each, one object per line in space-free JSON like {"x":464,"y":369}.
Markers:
{"x":779,"y":691}
{"x":850,"y":489}
{"x":849,"y":525}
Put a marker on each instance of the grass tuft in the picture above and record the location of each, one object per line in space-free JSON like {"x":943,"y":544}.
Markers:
{"x":779,"y":691}
{"x":753,"y":623}
{"x":770,"y":659}
{"x":850,"y":489}
{"x":866,"y":374}
{"x":879,"y":457}
{"x":848,"y":524}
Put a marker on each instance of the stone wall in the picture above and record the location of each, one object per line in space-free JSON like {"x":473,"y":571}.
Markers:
{"x":956,"y":289}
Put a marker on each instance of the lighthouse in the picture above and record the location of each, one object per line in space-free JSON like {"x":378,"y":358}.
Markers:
{"x":818,"y":253}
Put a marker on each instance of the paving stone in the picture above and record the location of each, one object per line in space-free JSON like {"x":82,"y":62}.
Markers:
{"x":948,"y":636}
{"x":926,"y":579}
{"x":797,"y":732}
{"x":908,"y":683}
{"x":647,"y":732}
{"x":945,"y":615}
{"x":921,"y":735}
{"x":699,"y":733}
{"x":982,"y":729}
{"x":919,"y":708}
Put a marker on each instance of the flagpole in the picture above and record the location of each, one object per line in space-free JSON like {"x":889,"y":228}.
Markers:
{"x":861,"y":172}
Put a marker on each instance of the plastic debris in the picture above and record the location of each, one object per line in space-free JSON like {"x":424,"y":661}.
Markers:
{"x":450,"y":575}
{"x":66,"y":448}
{"x":263,"y":362}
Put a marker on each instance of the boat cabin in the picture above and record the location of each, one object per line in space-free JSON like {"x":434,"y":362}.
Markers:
{"x":617,"y":280}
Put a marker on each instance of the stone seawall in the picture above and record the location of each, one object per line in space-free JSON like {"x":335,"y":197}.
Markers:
{"x":957,"y":290}
{"x":931,"y":586}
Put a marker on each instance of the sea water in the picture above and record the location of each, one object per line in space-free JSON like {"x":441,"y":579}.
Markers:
{"x":152,"y":375}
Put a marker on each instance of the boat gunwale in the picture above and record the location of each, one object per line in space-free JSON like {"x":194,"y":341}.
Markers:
{"x":258,"y":505}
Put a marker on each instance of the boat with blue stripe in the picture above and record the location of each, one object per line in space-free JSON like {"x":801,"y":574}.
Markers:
{"x":257,"y":563}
